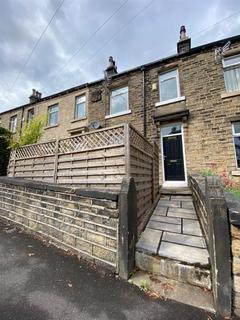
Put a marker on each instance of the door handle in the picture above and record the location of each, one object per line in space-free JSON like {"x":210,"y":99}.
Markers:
{"x":173,"y":161}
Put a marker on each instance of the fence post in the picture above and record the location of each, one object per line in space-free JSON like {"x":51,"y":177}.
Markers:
{"x":219,"y":247}
{"x":153,"y":174}
{"x":14,"y":162}
{"x":56,"y":162}
{"x":127,"y":148}
{"x":127,"y":232}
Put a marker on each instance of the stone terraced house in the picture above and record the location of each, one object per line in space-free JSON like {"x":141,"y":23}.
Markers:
{"x":189,"y":103}
{"x":115,"y":141}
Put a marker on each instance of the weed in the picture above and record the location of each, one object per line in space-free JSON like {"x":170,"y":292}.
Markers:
{"x":144,"y":286}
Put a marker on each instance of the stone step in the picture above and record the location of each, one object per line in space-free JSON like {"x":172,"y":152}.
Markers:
{"x":190,"y":273}
{"x":176,"y":191}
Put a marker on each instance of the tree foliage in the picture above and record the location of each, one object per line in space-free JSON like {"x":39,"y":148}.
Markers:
{"x":31,"y":132}
{"x":5,"y":140}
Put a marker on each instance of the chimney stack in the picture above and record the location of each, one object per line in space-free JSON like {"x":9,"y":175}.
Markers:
{"x":111,"y":69}
{"x":35,"y":96}
{"x":184,"y":44}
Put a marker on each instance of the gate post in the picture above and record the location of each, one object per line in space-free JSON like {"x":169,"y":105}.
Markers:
{"x":127,"y":235}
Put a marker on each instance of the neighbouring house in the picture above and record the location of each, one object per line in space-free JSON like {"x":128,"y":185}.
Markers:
{"x":188,"y":103}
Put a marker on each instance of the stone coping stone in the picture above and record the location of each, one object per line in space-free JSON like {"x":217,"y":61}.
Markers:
{"x":86,"y":192}
{"x":233,"y":205}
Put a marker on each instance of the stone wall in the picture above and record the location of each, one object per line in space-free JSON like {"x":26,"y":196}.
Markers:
{"x":82,"y":221}
{"x":234,"y":218}
{"x":235,"y":233}
{"x":211,"y":197}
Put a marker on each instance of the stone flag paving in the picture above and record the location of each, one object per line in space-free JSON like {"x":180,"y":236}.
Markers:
{"x":174,"y":232}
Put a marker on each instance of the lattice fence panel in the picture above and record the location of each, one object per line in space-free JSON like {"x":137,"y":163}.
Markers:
{"x":98,"y":139}
{"x":140,"y":142}
{"x":36,"y":150}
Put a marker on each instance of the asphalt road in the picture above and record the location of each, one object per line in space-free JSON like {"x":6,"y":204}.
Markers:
{"x":41,"y":283}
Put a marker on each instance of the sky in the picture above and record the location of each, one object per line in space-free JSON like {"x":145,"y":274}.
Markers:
{"x":52,"y":45}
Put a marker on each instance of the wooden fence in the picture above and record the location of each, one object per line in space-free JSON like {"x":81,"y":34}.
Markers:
{"x":95,"y":159}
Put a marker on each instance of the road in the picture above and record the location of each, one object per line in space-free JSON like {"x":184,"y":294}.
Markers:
{"x":38,"y":282}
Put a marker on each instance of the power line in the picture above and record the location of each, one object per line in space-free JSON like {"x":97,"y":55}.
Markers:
{"x":35,"y":45}
{"x":120,"y":30}
{"x":205,"y":30}
{"x":91,"y":36}
{"x":215,"y":24}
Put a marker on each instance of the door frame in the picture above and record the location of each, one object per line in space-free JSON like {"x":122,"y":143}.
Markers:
{"x":172,"y":184}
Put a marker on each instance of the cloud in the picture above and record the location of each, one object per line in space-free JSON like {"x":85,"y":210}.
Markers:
{"x":153,"y":34}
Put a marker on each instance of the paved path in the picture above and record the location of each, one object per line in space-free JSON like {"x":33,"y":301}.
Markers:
{"x":40,"y":283}
{"x":174,"y":231}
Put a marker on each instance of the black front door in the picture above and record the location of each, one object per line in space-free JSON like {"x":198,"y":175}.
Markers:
{"x":173,"y":158}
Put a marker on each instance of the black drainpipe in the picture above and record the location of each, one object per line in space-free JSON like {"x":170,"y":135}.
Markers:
{"x":144,"y":103}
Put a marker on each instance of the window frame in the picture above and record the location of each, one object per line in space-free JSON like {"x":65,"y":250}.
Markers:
{"x":235,"y":135}
{"x":85,"y":107}
{"x":177,"y":84}
{"x":231,"y":66}
{"x":110,"y":103}
{"x":28,"y":112}
{"x":10,"y":124}
{"x":52,"y":112}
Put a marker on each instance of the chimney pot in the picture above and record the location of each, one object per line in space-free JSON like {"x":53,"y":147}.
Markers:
{"x":35,"y":96}
{"x":111,"y":68}
{"x":184,"y":44}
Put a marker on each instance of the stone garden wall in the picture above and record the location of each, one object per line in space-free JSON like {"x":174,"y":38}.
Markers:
{"x":82,"y":221}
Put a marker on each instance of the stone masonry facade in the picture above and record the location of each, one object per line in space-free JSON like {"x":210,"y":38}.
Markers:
{"x":235,"y":233}
{"x":86,"y":225}
{"x":210,"y":110}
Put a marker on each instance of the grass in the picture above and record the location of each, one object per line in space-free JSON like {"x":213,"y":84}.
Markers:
{"x":236,"y":192}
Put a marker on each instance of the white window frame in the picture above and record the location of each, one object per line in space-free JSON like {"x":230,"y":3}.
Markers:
{"x":13,"y":124}
{"x":83,"y":96}
{"x":178,"y":86}
{"x":121,"y":112}
{"x":235,"y":135}
{"x":51,"y":112}
{"x":230,"y":66}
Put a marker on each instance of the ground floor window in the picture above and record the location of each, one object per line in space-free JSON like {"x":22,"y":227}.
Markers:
{"x":236,"y":139}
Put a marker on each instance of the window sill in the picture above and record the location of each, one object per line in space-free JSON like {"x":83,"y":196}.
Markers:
{"x":235,"y":173}
{"x":79,"y":119}
{"x":163,"y":103}
{"x":118,"y":114}
{"x":50,"y":127}
{"x":226,"y":95}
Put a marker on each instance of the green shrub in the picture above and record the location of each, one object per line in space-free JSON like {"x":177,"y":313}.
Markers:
{"x":5,"y":140}
{"x":31,"y":132}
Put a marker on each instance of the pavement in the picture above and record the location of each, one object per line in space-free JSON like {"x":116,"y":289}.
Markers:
{"x":40,"y":282}
{"x":174,"y":232}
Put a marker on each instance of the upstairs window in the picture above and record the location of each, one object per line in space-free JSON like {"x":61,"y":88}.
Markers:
{"x":80,"y":107}
{"x":236,"y":140}
{"x":231,"y":68}
{"x":13,"y":124}
{"x":30,"y":115}
{"x":169,"y":85}
{"x":53,"y":115}
{"x":119,"y":100}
